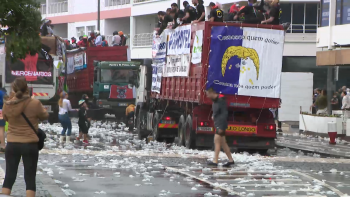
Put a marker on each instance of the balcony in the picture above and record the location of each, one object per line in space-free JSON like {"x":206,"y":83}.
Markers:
{"x":112,"y":3}
{"x":58,"y":7}
{"x":143,"y":40}
{"x":42,"y":9}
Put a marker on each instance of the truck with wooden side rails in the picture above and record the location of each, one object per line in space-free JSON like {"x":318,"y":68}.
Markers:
{"x":242,"y":62}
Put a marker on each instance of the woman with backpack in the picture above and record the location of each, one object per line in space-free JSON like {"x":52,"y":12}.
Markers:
{"x":22,"y":140}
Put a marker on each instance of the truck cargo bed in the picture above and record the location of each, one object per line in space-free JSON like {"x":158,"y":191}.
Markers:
{"x":192,"y":88}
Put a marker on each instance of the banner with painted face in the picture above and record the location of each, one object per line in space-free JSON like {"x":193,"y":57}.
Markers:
{"x":246,"y":61}
{"x":179,"y":40}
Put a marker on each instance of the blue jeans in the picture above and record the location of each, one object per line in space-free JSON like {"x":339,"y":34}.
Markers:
{"x":66,"y":124}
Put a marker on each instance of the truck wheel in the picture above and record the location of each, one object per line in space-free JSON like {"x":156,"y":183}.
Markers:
{"x":141,"y":123}
{"x":190,"y":135}
{"x":181,"y":131}
{"x":155,"y":127}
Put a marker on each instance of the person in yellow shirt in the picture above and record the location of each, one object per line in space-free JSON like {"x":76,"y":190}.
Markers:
{"x":130,"y":111}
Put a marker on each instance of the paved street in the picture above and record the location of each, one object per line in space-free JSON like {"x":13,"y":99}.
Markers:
{"x":116,"y":163}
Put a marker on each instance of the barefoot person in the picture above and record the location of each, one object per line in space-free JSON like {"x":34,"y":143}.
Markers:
{"x":220,"y":123}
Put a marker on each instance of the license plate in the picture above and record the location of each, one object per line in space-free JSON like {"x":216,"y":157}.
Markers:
{"x":105,"y":106}
{"x":241,"y":129}
{"x":167,"y":122}
{"x":205,"y":128}
{"x":47,"y":107}
{"x":122,"y":104}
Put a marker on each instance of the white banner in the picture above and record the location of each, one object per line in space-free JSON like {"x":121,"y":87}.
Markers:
{"x":256,"y":71}
{"x":79,"y":61}
{"x":157,"y":71}
{"x":197,"y":47}
{"x":177,"y":66}
{"x":159,"y":47}
{"x":179,"y":40}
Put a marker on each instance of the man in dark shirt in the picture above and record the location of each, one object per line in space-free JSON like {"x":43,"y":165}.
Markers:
{"x":219,"y":117}
{"x":165,"y":20}
{"x":251,"y":13}
{"x":274,"y":12}
{"x":200,"y":10}
{"x":190,"y":13}
{"x":176,"y":13}
{"x":216,"y":14}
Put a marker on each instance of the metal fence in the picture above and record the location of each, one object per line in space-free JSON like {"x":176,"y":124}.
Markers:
{"x":144,"y":39}
{"x":43,"y":8}
{"x":58,"y":7}
{"x":141,"y":1}
{"x":116,"y":2}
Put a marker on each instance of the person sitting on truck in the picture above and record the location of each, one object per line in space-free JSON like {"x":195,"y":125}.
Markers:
{"x":219,"y":117}
{"x":216,"y":14}
{"x":176,"y":14}
{"x":190,"y":13}
{"x":116,"y":39}
{"x":200,"y":10}
{"x":83,"y":42}
{"x":162,"y":16}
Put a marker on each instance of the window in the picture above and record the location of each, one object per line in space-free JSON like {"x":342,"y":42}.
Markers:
{"x":90,"y":29}
{"x":302,"y":16}
{"x":80,"y":31}
{"x":117,"y":76}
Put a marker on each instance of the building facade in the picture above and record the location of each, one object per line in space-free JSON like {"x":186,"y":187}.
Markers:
{"x":138,"y":18}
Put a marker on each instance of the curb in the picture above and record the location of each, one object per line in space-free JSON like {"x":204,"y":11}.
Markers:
{"x":50,"y":185}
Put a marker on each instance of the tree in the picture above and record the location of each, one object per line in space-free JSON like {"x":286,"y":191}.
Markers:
{"x":22,"y":19}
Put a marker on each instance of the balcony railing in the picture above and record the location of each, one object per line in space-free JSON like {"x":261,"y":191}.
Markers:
{"x":43,"y":9}
{"x":110,"y":3}
{"x":144,"y":39}
{"x":141,"y":1}
{"x":58,"y":7}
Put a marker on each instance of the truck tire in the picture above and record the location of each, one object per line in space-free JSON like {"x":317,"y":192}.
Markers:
{"x":190,"y":134}
{"x":155,"y":127}
{"x":141,"y":120}
{"x":181,"y":131}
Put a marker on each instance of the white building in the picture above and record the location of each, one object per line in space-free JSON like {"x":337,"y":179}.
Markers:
{"x":137,"y":19}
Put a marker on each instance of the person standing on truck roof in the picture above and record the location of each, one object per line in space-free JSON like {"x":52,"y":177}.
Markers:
{"x":98,"y":41}
{"x":274,"y":11}
{"x":83,"y":42}
{"x":252,"y":14}
{"x":162,"y":16}
{"x":216,"y":14}
{"x":176,"y":14}
{"x":116,"y":39}
{"x":190,"y":13}
{"x":219,"y":117}
{"x":200,"y":10}
{"x":123,"y":38}
{"x":64,"y":108}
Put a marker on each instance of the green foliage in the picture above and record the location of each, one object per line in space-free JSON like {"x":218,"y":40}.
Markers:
{"x":23,"y":19}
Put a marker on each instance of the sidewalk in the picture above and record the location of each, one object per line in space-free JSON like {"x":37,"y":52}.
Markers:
{"x":45,"y":186}
{"x":313,"y":144}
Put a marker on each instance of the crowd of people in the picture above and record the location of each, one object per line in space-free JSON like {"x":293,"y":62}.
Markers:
{"x":94,"y":40}
{"x":339,"y":101}
{"x":265,"y":12}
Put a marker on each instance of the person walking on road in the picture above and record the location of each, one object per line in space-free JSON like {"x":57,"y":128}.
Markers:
{"x":65,"y":107}
{"x":220,"y":114}
{"x":22,"y":141}
{"x":83,"y":122}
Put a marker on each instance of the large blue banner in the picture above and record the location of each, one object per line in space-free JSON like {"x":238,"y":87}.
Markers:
{"x":231,"y":36}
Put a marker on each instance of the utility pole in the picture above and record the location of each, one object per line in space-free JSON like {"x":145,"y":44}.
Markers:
{"x":178,"y":4}
{"x":98,"y":15}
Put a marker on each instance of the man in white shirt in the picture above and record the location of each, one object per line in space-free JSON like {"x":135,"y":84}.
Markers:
{"x":345,"y":101}
{"x":98,"y":41}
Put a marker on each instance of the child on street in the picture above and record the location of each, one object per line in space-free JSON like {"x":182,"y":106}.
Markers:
{"x":83,"y":122}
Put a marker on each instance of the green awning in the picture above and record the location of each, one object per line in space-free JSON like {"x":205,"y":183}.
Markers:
{"x":117,"y":65}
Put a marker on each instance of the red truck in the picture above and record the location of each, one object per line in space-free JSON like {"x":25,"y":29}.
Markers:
{"x":179,"y":107}
{"x":81,"y":82}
